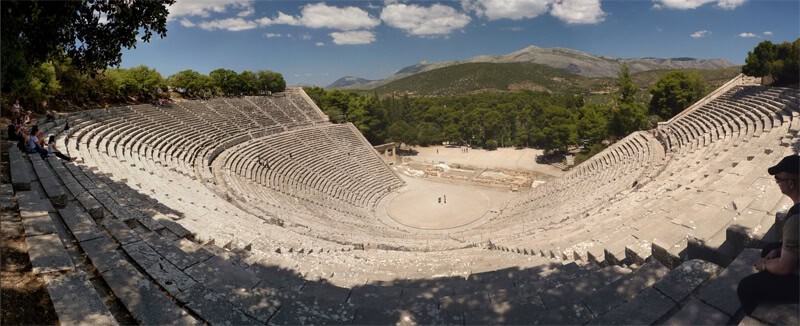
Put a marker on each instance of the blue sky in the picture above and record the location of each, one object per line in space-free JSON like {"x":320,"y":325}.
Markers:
{"x":315,"y":43}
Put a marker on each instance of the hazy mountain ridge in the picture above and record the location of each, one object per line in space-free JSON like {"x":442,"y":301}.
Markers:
{"x":348,"y":81}
{"x":568,"y":60}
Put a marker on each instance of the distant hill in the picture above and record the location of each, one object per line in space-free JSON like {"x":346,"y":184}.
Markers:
{"x":567,"y":60}
{"x":348,"y":82}
{"x":482,"y":77}
{"x":503,"y":77}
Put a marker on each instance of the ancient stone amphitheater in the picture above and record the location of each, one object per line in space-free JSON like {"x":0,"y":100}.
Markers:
{"x":259,"y":210}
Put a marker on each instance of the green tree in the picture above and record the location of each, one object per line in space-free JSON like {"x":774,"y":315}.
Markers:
{"x":271,"y":81}
{"x":674,"y":92}
{"x":248,"y":82}
{"x":558,"y":129}
{"x":226,"y":81}
{"x":452,"y":133}
{"x":42,"y":83}
{"x":627,"y":89}
{"x":91,"y":33}
{"x":368,"y":117}
{"x":786,"y":66}
{"x":759,"y":61}
{"x":593,"y":123}
{"x":190,"y":83}
{"x":781,"y":61}
{"x":627,"y":118}
{"x":401,"y":131}
{"x":428,"y":134}
{"x":336,"y":105}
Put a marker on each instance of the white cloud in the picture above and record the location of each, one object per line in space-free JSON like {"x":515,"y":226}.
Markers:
{"x":306,"y":36}
{"x":187,"y":23}
{"x":700,"y":34}
{"x":730,"y":4}
{"x":183,"y":8}
{"x":319,"y":44}
{"x":679,"y":4}
{"x":578,"y":11}
{"x":435,"y":20}
{"x":746,"y":35}
{"x":659,"y":29}
{"x":767,"y":33}
{"x":506,"y":9}
{"x":513,"y":29}
{"x":272,"y":35}
{"x":247,"y":12}
{"x":282,"y":19}
{"x":692,"y":4}
{"x":320,"y":15}
{"x":353,"y":37}
{"x":229,"y":24}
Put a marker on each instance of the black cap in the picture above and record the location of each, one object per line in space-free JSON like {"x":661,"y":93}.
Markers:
{"x":790,"y":164}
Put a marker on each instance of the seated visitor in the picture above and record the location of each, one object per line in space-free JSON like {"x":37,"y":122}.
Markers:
{"x":66,"y":127}
{"x":777,"y":278}
{"x":52,"y":149}
{"x":34,"y":143}
{"x":27,"y":119}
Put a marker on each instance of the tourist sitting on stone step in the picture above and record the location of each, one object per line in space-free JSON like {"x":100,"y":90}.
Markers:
{"x":35,"y":142}
{"x":66,"y":127}
{"x":52,"y":149}
{"x":778,"y":277}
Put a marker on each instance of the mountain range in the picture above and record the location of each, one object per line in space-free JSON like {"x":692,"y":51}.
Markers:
{"x":568,"y":60}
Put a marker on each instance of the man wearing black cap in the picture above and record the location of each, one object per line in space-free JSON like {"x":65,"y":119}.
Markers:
{"x":778,"y":268}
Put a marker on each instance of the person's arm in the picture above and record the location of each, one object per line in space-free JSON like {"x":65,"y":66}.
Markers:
{"x":782,"y":265}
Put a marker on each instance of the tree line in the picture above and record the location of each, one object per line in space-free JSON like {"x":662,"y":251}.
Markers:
{"x":519,"y":119}
{"x":62,"y":81}
{"x":780,"y":62}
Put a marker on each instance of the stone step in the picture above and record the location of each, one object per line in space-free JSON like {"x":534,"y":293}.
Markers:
{"x":20,"y":177}
{"x":143,"y":299}
{"x":778,"y":313}
{"x":76,"y":301}
{"x":50,"y":183}
{"x":721,"y":293}
{"x":625,"y":288}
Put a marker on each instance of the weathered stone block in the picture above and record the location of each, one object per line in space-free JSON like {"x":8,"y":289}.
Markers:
{"x":48,"y":254}
{"x":76,"y":302}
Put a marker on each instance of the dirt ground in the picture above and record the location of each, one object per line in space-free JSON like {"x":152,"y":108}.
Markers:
{"x":505,"y":158}
{"x":23,"y":296}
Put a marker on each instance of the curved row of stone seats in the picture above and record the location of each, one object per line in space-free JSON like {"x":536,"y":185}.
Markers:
{"x":703,"y":195}
{"x":322,"y":217}
{"x":181,"y":131}
{"x":333,"y":222}
{"x":311,"y":159}
{"x":114,"y":166}
{"x":751,"y":109}
{"x":619,"y":234}
{"x":621,"y":167}
{"x":161,"y":182}
{"x":685,"y":204}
